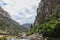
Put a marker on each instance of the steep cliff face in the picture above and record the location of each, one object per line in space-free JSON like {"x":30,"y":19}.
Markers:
{"x":8,"y":25}
{"x":47,"y":10}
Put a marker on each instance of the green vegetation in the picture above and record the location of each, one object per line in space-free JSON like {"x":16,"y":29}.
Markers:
{"x":47,"y":29}
{"x":3,"y":38}
{"x":50,"y":28}
{"x":51,"y":39}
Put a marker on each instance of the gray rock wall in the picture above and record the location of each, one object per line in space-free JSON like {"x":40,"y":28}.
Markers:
{"x":46,"y":9}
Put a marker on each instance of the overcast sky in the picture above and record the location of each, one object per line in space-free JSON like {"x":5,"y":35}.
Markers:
{"x":23,"y":11}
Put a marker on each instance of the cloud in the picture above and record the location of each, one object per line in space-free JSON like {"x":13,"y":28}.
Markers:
{"x":22,"y":11}
{"x":2,"y":3}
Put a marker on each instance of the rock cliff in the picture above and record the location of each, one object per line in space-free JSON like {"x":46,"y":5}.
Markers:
{"x":47,"y":10}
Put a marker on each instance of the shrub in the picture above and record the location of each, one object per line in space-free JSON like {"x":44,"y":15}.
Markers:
{"x":3,"y":38}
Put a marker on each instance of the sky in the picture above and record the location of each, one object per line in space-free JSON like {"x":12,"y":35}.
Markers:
{"x":22,"y":11}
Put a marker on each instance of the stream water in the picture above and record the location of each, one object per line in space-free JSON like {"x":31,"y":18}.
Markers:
{"x":17,"y":39}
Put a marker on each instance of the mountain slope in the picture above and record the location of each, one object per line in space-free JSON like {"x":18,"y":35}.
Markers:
{"x":27,"y":26}
{"x":8,"y":25}
{"x":47,"y":20}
